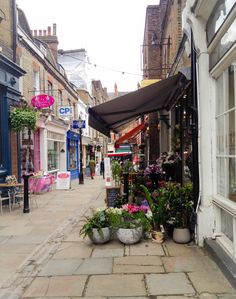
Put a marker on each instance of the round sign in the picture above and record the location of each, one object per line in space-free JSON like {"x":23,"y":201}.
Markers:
{"x":42,"y":101}
{"x":63,"y":175}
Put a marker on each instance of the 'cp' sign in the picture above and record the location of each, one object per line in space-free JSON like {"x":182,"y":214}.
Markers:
{"x":65,"y":111}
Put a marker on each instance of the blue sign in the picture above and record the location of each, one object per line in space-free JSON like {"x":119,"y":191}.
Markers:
{"x":78,"y":124}
{"x":75,"y":124}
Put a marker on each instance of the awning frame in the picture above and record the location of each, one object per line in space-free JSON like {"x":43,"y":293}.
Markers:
{"x":162,"y":95}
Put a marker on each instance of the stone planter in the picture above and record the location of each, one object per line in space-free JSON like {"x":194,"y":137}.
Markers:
{"x":100,"y":236}
{"x":181,"y":235}
{"x":130,"y":235}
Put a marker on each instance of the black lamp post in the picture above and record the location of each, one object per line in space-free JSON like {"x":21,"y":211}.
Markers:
{"x":81,"y":174}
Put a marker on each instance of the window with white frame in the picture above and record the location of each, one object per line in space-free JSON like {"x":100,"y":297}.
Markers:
{"x":225,"y":134}
{"x":36,"y":82}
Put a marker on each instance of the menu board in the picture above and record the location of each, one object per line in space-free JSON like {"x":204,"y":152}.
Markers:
{"x":112,"y":193}
{"x":63,"y":180}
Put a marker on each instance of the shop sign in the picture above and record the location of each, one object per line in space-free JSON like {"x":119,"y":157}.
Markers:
{"x":42,"y":101}
{"x":107,"y":172}
{"x":65,"y":111}
{"x":76,"y":124}
{"x":63,"y":180}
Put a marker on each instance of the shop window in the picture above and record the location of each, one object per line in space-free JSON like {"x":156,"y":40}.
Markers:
{"x":50,"y":91}
{"x":225,"y":134}
{"x":231,"y":87}
{"x":220,"y":176}
{"x":218,"y":16}
{"x":226,"y":42}
{"x":227,"y":225}
{"x":232,"y":179}
{"x":37,"y":150}
{"x":53,"y":155}
{"x":36,"y":82}
{"x":72,"y":155}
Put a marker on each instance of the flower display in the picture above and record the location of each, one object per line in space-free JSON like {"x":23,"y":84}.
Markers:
{"x":11,"y":179}
{"x":131,"y":209}
{"x":152,"y":169}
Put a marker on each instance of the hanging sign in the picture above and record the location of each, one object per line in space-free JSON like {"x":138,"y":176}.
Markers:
{"x":76,"y":124}
{"x":65,"y":111}
{"x":42,"y":101}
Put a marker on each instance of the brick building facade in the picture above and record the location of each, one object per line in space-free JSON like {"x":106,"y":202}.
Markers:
{"x":162,"y":35}
{"x":50,"y":148}
{"x":10,"y":72}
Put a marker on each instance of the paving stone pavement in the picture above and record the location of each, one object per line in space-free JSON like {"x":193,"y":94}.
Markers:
{"x":43,"y":256}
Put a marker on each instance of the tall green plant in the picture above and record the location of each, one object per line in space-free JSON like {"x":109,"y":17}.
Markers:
{"x":116,"y":171}
{"x":158,"y":207}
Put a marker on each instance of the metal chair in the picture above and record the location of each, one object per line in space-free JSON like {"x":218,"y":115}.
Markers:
{"x":6,"y":198}
{"x":18,"y":195}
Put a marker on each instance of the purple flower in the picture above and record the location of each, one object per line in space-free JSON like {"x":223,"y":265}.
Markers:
{"x":152,"y":168}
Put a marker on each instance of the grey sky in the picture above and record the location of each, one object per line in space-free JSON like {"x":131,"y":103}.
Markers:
{"x":110,"y":30}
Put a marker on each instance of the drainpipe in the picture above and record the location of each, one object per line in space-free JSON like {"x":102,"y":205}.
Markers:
{"x":194,"y":125}
{"x":14,"y":25}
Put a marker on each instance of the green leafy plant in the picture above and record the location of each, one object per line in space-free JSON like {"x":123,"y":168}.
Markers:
{"x":99,"y":219}
{"x":116,"y":171}
{"x":22,"y":118}
{"x":181,"y":205}
{"x":158,"y":204}
{"x":127,"y":166}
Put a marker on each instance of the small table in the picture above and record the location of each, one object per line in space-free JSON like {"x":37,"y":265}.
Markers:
{"x":4,"y":185}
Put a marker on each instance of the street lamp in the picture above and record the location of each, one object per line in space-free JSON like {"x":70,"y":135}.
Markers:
{"x":81,"y":126}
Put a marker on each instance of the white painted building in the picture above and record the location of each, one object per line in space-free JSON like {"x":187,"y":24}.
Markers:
{"x":213,"y":25}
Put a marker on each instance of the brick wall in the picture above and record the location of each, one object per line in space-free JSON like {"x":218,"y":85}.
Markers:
{"x":31,"y":63}
{"x":151,"y":53}
{"x":172,"y":26}
{"x":6,"y":28}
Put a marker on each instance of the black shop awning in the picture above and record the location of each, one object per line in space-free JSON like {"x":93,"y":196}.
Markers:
{"x":112,"y":115}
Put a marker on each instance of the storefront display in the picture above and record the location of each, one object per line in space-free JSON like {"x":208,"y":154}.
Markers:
{"x":53,"y":155}
{"x":73,"y":154}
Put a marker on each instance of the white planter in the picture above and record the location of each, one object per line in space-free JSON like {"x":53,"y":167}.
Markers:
{"x":130,"y":235}
{"x":181,"y":235}
{"x":100,"y":236}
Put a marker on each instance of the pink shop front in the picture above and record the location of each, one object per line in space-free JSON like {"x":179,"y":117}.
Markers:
{"x":30,"y":162}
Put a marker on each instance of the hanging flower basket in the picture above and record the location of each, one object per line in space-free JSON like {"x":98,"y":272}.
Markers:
{"x":22,"y":118}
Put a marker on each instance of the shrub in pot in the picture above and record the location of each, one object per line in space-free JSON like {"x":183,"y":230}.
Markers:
{"x":181,"y":209}
{"x":97,"y":226}
{"x":158,"y":205}
{"x":130,"y":222}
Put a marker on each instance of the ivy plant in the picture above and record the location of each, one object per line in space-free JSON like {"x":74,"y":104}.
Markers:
{"x":22,"y":118}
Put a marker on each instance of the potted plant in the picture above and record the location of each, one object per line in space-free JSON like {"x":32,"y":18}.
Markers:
{"x":158,"y":205}
{"x":97,"y":226}
{"x":181,"y":210}
{"x":130,"y":222}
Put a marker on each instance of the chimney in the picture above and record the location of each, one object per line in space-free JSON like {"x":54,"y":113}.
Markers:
{"x":49,"y":30}
{"x":54,"y":31}
{"x":116,"y":90}
{"x":49,"y":36}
